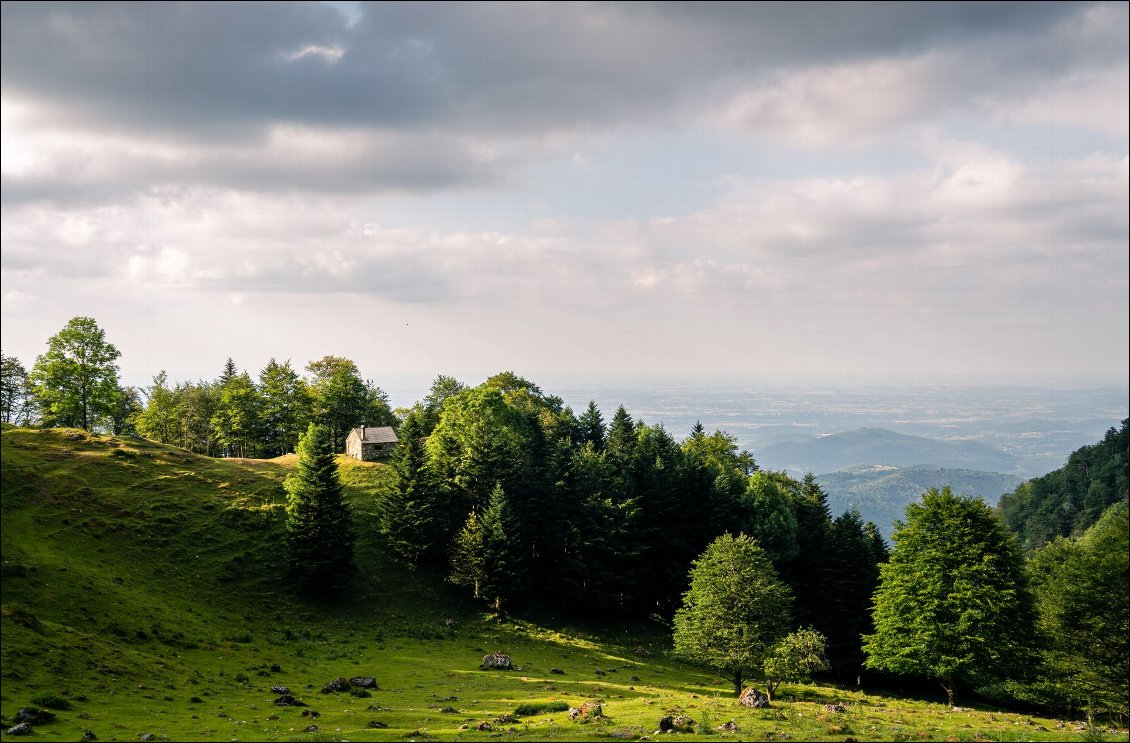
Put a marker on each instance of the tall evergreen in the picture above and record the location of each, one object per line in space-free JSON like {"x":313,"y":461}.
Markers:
{"x":591,"y":427}
{"x":411,"y":509}
{"x":853,"y":576}
{"x":487,"y":556}
{"x":318,"y":529}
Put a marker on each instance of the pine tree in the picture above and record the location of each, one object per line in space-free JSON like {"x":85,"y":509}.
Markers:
{"x":410,"y":508}
{"x":486,"y":555}
{"x":318,"y":529}
{"x":591,"y":427}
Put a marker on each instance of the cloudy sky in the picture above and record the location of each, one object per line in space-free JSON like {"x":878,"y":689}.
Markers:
{"x":573,"y":191}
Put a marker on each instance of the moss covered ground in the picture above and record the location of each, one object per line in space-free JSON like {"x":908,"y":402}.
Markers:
{"x":144,"y":592}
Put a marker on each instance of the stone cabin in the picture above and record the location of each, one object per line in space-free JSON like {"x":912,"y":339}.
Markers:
{"x":370,"y":442}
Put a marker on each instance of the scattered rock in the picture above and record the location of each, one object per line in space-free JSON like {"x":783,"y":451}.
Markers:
{"x":276,"y":668}
{"x":634,"y":679}
{"x":448,"y":699}
{"x":499,"y":661}
{"x":753,"y":699}
{"x":195,"y":700}
{"x":587,"y":711}
{"x":557,"y":671}
{"x":377,"y":724}
{"x":599,"y":672}
{"x":338,"y":684}
{"x":506,"y":719}
{"x":311,"y":729}
{"x":682,"y":724}
{"x":729,"y":727}
{"x":311,"y":713}
{"x":621,"y":734}
{"x":280,"y":689}
{"x":449,"y":711}
{"x":837,"y":707}
{"x":88,"y":735}
{"x":33,"y":716}
{"x":147,"y":736}
{"x":288,"y":700}
{"x":641,"y":651}
{"x":484,"y":727}
{"x":666,"y":723}
{"x":22,"y":728}
{"x":363,"y":682}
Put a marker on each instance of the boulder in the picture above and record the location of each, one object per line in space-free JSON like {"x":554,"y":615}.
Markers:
{"x":147,"y":736}
{"x":280,"y":689}
{"x":682,"y":724}
{"x":587,"y":711}
{"x":666,"y":723}
{"x":557,"y":671}
{"x":753,"y":699}
{"x":33,"y":716}
{"x":88,"y":735}
{"x":22,"y":728}
{"x":276,"y":668}
{"x":484,"y":727}
{"x":338,"y":684}
{"x":377,"y":724}
{"x":837,"y":707}
{"x":288,"y":700}
{"x":311,"y":729}
{"x":311,"y":713}
{"x":499,"y":661}
{"x":729,"y":727}
{"x":363,"y":682}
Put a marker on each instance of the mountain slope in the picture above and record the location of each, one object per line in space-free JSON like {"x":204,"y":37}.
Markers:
{"x":871,"y":446}
{"x":1072,"y":498}
{"x":881,"y":493}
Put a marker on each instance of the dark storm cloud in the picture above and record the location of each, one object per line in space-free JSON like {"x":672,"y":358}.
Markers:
{"x":225,"y":70}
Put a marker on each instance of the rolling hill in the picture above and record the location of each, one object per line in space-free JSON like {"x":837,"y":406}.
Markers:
{"x":144,"y":597}
{"x":877,"y":446}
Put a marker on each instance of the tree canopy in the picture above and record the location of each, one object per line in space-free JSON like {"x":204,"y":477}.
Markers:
{"x":735,"y":610}
{"x":953,"y":602}
{"x":76,"y":382}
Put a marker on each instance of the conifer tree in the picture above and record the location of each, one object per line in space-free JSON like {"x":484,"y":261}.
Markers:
{"x":591,"y":427}
{"x":318,"y":530}
{"x":409,"y":509}
{"x":486,"y":555}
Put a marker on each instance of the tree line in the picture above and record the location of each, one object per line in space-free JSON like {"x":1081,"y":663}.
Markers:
{"x":75,"y":384}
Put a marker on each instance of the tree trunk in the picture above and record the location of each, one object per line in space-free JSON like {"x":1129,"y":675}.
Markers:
{"x":737,"y":683}
{"x":948,"y":685}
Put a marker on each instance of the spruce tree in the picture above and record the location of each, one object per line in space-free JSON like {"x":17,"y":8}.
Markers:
{"x":591,"y":427}
{"x":318,"y":530}
{"x":409,"y":509}
{"x":486,"y":555}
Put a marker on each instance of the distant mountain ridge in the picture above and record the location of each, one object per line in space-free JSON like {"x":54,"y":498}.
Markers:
{"x":879,"y":446}
{"x":881,"y":493}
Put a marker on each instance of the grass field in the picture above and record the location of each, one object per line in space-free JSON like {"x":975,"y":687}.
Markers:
{"x":144,"y":592}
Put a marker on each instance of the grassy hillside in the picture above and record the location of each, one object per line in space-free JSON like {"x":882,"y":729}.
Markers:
{"x":143,"y":593}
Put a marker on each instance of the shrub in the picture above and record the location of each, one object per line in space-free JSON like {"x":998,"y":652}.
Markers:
{"x":51,"y":700}
{"x":540,"y":708}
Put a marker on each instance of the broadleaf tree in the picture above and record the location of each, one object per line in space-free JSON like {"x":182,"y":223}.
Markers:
{"x":953,"y":602}
{"x":76,"y":382}
{"x":735,"y":610}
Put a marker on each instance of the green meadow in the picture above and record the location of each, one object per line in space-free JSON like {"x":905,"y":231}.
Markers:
{"x":145,"y":593}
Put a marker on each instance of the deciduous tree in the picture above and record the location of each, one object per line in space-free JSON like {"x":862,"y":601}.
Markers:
{"x":76,"y":382}
{"x":735,"y":610}
{"x":953,"y":602}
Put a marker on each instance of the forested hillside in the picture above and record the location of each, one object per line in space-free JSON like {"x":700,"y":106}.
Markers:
{"x":1069,"y":500}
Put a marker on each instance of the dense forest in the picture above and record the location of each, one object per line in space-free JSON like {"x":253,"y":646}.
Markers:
{"x":1069,"y":500}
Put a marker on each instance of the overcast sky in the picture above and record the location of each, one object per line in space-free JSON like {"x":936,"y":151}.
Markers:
{"x":599,"y":192}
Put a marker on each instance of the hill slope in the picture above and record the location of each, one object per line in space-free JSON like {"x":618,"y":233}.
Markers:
{"x":881,"y":493}
{"x":871,"y":446}
{"x":1072,"y":498}
{"x":142,"y":588}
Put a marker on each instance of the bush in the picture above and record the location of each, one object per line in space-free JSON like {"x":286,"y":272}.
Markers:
{"x":540,"y":708}
{"x":51,"y":700}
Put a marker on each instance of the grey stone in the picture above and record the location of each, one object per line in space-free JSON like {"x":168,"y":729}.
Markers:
{"x":22,"y":728}
{"x":753,"y":699}
{"x":499,"y":661}
{"x":363,"y":682}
